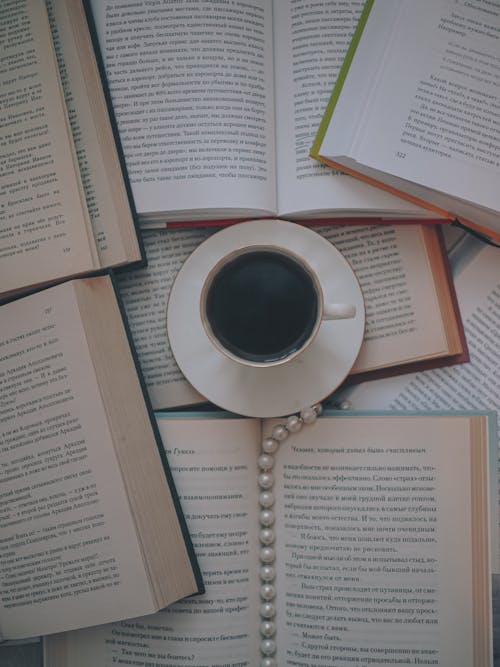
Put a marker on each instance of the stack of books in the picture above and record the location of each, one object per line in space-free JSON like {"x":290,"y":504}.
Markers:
{"x":132,"y":523}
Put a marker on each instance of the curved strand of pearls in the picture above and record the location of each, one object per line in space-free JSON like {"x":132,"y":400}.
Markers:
{"x":265,"y":462}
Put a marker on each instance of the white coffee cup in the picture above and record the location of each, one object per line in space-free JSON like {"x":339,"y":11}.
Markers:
{"x":263,"y":305}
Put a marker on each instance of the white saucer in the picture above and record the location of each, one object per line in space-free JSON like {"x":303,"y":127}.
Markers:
{"x":279,"y":390}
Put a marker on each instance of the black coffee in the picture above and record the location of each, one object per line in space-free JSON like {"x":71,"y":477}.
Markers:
{"x":262,"y":306}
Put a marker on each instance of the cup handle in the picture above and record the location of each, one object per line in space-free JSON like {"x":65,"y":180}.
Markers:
{"x":339,"y":311}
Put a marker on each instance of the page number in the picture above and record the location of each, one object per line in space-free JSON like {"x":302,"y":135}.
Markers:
{"x":400,"y":154}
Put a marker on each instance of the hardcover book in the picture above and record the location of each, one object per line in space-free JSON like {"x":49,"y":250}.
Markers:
{"x":380,"y":552}
{"x":91,"y":525}
{"x":65,"y":205}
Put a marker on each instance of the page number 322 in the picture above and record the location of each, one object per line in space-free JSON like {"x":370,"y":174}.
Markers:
{"x":400,"y":155}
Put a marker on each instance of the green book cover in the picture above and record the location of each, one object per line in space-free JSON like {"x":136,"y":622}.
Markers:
{"x":341,"y":79}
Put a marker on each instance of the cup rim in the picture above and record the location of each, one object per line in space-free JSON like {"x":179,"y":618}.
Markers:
{"x":261,"y":247}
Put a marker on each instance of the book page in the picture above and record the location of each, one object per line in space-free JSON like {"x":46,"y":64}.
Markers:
{"x":441,"y":129}
{"x":403,"y":321}
{"x":145,"y":295}
{"x":213,"y":464}
{"x":209,"y":143}
{"x":44,"y":231}
{"x":474,"y":385}
{"x":311,"y":40}
{"x":374,"y":544}
{"x":69,"y":554}
{"x":98,"y":162}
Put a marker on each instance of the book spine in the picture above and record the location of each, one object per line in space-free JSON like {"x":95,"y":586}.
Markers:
{"x":341,"y":79}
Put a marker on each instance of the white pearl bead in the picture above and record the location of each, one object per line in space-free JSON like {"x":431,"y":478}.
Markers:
{"x":266,"y":480}
{"x":308,"y":415}
{"x":267,"y":610}
{"x":267,"y":555}
{"x":268,"y":647}
{"x":266,"y":536}
{"x":265,"y":462}
{"x":294,"y":423}
{"x":267,"y":592}
{"x":270,"y":445}
{"x":267,"y":628}
{"x":279,"y":432}
{"x":266,"y":518}
{"x":267,"y":573}
{"x":268,"y":662}
{"x":266,"y":499}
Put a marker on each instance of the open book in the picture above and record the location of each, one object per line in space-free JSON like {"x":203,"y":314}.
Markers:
{"x":411,"y":316}
{"x":65,"y":208}
{"x":416,"y":108}
{"x":217,"y":108}
{"x":381,"y":547}
{"x":91,"y":529}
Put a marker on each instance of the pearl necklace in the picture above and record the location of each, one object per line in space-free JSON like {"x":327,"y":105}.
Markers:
{"x":265,"y":479}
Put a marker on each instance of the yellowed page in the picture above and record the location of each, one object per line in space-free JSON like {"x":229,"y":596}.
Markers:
{"x":44,"y":227}
{"x":403,"y":320}
{"x":69,"y":555}
{"x":213,"y":463}
{"x":375,"y":540}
